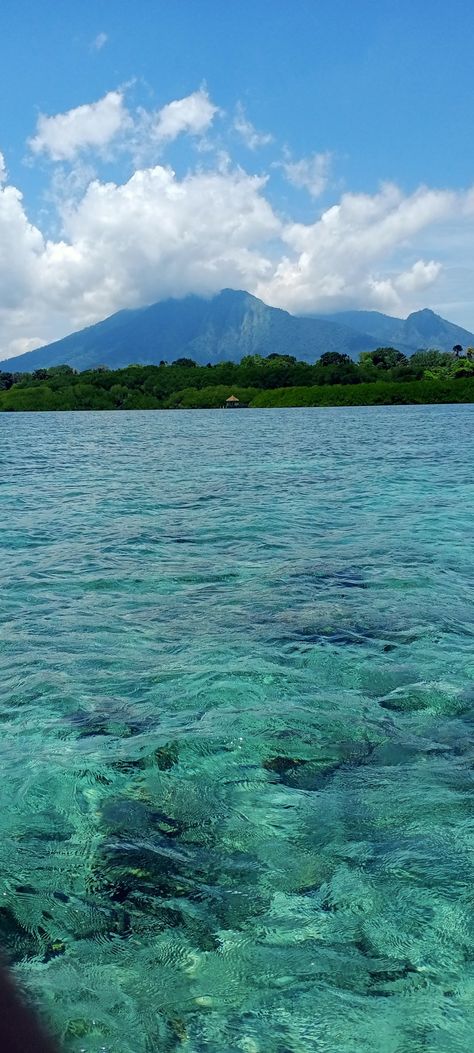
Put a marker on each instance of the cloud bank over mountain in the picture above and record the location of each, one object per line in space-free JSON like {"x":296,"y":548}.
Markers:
{"x":155,"y":229}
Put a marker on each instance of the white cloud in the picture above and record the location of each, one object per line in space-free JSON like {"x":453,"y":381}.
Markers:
{"x":24,"y":344}
{"x":310,"y":173}
{"x":21,"y":249}
{"x":193,"y":115}
{"x":158,"y":235}
{"x":124,"y":245}
{"x":248,"y":133}
{"x":99,"y":42}
{"x":418,"y":277}
{"x":69,"y":184}
{"x":92,"y":126}
{"x":3,"y":169}
{"x":336,"y":261}
{"x":108,"y":128}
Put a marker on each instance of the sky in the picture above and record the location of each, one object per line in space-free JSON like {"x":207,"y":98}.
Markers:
{"x":318,"y":154}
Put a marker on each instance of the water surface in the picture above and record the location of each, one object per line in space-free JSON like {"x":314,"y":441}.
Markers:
{"x":237,"y":716}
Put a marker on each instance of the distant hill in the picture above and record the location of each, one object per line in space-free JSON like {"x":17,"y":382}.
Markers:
{"x":421,"y":329}
{"x":227,"y":327}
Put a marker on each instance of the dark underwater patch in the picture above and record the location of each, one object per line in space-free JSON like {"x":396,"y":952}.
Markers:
{"x":308,"y":774}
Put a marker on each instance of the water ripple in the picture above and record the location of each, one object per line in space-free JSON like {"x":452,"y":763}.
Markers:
{"x":237,"y":703}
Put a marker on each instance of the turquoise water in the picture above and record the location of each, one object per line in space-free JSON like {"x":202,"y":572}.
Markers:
{"x":237,"y":715}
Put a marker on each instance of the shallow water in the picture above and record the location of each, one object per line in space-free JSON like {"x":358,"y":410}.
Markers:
{"x":237,"y":713}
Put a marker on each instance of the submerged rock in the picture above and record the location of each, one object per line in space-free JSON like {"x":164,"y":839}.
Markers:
{"x":282,"y":765}
{"x":124,"y":815}
{"x":164,"y":758}
{"x":16,"y":941}
{"x":314,"y":773}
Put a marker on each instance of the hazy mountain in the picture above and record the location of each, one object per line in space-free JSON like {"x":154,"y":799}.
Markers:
{"x":226,"y":327}
{"x":233,"y":324}
{"x":421,"y":329}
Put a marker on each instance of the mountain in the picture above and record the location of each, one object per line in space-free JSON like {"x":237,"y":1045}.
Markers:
{"x":227,"y":327}
{"x":421,"y":329}
{"x":233,"y":324}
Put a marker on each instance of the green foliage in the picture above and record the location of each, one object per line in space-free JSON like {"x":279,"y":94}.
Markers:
{"x":463,"y":367}
{"x":209,"y":398}
{"x":381,"y":393}
{"x":382,"y":377}
{"x":281,"y":358}
{"x":384,"y":358}
{"x":431,"y":359}
{"x":6,"y":381}
{"x":61,"y":371}
{"x":333,"y":358}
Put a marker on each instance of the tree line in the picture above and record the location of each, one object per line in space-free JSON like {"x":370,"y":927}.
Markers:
{"x":385,"y":374}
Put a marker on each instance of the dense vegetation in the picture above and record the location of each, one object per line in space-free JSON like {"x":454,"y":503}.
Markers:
{"x":383,"y":376}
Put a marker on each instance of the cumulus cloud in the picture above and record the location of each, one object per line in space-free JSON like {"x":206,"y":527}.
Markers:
{"x":128,"y":244}
{"x":3,"y":169}
{"x":92,"y":126}
{"x":248,"y":133}
{"x":99,"y":42}
{"x":194,"y":114}
{"x":309,"y":173}
{"x":108,"y":128}
{"x":334,"y":261}
{"x":21,"y":249}
{"x":420,"y":276}
{"x":158,"y":234}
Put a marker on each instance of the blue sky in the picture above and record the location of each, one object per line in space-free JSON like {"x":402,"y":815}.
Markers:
{"x":318,"y":154}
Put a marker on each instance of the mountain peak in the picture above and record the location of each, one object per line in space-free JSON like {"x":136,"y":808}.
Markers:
{"x":236,"y":296}
{"x":225,"y":327}
{"x":234,"y":293}
{"x":425,"y":312}
{"x":231,"y":325}
{"x":431,"y":330}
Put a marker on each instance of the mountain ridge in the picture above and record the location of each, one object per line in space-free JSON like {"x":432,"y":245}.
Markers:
{"x":229,"y":326}
{"x":423,"y":328}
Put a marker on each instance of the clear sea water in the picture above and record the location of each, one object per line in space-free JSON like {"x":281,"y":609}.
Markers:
{"x":237,"y":728}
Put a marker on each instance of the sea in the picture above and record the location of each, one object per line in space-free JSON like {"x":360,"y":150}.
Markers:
{"x":237,"y":728}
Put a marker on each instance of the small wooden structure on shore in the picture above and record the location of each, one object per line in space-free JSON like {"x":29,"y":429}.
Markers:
{"x":233,"y":403}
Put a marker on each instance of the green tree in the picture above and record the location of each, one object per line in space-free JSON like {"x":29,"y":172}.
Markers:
{"x":61,"y":371}
{"x":387,"y":357}
{"x":120,"y":394}
{"x":430,"y":359}
{"x":275,"y":357}
{"x":6,"y":381}
{"x":333,"y":358}
{"x":252,"y":360}
{"x":463,"y":367}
